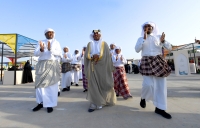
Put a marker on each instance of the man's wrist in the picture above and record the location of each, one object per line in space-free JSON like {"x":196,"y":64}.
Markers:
{"x":144,"y":40}
{"x":41,"y":50}
{"x":163,"y":41}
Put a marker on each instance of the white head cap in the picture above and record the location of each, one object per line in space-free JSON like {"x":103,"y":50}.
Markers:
{"x":113,"y":44}
{"x":49,"y":29}
{"x":75,"y":53}
{"x":155,"y":28}
{"x":117,"y":47}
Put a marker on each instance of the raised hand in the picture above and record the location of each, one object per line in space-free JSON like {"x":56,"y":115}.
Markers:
{"x":41,"y":46}
{"x":121,"y":58}
{"x":83,"y":52}
{"x":65,"y":56}
{"x":145,"y":33}
{"x":116,"y":57}
{"x":162,"y":38}
{"x":49,"y":46}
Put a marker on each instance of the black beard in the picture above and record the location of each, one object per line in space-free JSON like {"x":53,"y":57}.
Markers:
{"x":148,"y":33}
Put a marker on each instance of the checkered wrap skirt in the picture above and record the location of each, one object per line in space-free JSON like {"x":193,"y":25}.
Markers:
{"x":154,"y":66}
{"x":85,"y":83}
{"x":76,"y":67}
{"x":121,"y":83}
{"x":66,"y":67}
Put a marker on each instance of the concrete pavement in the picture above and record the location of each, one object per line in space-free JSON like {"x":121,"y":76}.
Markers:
{"x":16,"y":102}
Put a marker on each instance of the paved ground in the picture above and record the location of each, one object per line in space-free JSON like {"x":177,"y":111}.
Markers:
{"x":16,"y":102}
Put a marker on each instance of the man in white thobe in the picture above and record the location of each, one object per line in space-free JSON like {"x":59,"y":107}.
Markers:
{"x":112,"y":49}
{"x":58,"y":58}
{"x":153,"y":88}
{"x":47,"y":72}
{"x":76,"y":65}
{"x":66,"y":70}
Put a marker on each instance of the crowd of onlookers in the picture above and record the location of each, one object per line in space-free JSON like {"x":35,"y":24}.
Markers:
{"x":12,"y":68}
{"x":132,"y":68}
{"x":171,"y":64}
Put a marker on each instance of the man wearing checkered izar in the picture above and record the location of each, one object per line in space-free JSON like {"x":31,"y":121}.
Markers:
{"x":153,"y":68}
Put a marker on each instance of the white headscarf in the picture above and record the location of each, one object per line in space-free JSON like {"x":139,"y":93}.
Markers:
{"x":155,"y":31}
{"x":113,"y":44}
{"x":118,"y":47}
{"x":91,"y":35}
{"x":67,"y":48}
{"x":76,"y":54}
{"x":92,"y":45}
{"x":50,"y":30}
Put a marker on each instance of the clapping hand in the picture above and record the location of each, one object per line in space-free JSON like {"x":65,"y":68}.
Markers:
{"x":116,"y":57}
{"x":162,"y":38}
{"x":49,"y":46}
{"x":65,"y":56}
{"x":41,"y":46}
{"x":145,"y":33}
{"x":121,"y":58}
{"x":96,"y":58}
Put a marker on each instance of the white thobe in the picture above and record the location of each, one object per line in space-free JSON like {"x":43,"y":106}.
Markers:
{"x":95,"y":47}
{"x":153,"y":88}
{"x":112,"y":51}
{"x":48,"y":95}
{"x":58,"y":58}
{"x":118,"y":62}
{"x":82,"y":63}
{"x":76,"y":59}
{"x":66,"y":77}
{"x":80,"y":72}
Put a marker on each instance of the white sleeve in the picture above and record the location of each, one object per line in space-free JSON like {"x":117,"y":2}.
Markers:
{"x":139,"y":44}
{"x":56,"y":49}
{"x":37,"y":51}
{"x":124,"y":60}
{"x":68,"y":59}
{"x":166,"y":44}
{"x":79,"y":58}
{"x":114,"y":59}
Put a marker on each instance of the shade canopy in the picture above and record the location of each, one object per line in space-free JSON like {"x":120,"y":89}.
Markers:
{"x":16,"y":43}
{"x":188,"y":47}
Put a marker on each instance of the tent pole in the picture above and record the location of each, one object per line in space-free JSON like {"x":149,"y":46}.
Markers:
{"x":194,"y":57}
{"x":31,"y":60}
{"x":15,"y":61}
{"x":2,"y":63}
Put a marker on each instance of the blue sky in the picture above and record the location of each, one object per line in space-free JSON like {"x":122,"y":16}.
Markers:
{"x":119,"y":20}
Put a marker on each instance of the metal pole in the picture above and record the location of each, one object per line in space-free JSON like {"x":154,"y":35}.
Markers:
{"x":194,"y":57}
{"x":2,"y":63}
{"x":15,"y":61}
{"x":31,"y":60}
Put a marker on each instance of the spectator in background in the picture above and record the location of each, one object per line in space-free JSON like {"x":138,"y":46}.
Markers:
{"x":27,"y":74}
